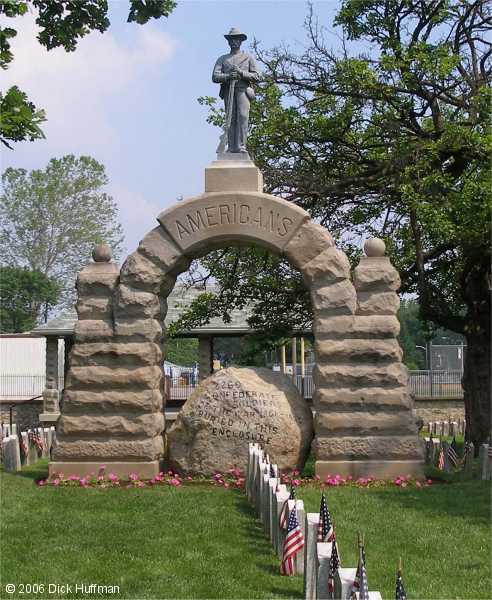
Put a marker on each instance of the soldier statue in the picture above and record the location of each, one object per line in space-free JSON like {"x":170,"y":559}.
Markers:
{"x":236,"y":72}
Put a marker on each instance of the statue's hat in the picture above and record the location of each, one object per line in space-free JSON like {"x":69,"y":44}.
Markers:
{"x":236,"y":32}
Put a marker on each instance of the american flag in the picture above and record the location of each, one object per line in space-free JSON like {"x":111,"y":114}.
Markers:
{"x":326,"y":533}
{"x":334,"y":565}
{"x":440,"y":460}
{"x":364,"y":588}
{"x":362,"y":560}
{"x":282,"y":521}
{"x":453,"y":453}
{"x":400,"y":593}
{"x":24,"y":450}
{"x":36,"y":440}
{"x":293,"y":543}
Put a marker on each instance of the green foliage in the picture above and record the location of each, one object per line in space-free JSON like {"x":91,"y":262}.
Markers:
{"x":50,"y":219}
{"x":19,"y":119}
{"x":61,"y":24}
{"x":23,"y":294}
{"x":394,"y":144}
{"x":412,"y":334}
{"x":182,"y":351}
{"x":253,"y":278}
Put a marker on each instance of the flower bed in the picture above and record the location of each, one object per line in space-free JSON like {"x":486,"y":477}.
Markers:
{"x":233,"y":478}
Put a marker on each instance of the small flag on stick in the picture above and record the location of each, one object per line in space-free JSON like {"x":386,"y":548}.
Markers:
{"x":400,"y":593}
{"x":440,"y":460}
{"x":282,"y":521}
{"x":24,"y":450}
{"x":362,"y":559}
{"x":453,"y":453}
{"x":334,"y":565}
{"x":364,"y":587}
{"x":326,"y":533}
{"x":293,"y":543}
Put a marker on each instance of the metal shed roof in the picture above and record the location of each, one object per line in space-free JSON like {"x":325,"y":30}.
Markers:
{"x":178,"y":300}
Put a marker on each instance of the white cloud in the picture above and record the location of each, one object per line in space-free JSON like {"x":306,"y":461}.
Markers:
{"x":78,"y":88}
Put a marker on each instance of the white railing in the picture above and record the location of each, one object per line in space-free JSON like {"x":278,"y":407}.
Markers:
{"x":17,"y":387}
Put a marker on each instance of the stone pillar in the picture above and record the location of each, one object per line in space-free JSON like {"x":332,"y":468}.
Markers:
{"x":364,"y":421}
{"x":112,"y":408}
{"x":52,"y":359}
{"x":205,"y":354}
{"x":51,"y":403}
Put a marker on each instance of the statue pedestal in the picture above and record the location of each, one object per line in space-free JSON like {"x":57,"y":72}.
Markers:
{"x":231,"y":174}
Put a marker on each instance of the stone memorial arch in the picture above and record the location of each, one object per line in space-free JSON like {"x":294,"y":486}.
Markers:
{"x":112,"y":404}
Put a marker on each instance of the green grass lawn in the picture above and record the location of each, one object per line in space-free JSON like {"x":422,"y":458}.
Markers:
{"x":204,"y":542}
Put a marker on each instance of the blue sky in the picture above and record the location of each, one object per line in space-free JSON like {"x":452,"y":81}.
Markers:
{"x":128,"y":97}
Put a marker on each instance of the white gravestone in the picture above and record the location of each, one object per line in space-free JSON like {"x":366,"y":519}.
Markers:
{"x":281,"y":496}
{"x":484,"y":462}
{"x":310,"y":555}
{"x":281,"y":492}
{"x":323,"y":552}
{"x":344,"y":580}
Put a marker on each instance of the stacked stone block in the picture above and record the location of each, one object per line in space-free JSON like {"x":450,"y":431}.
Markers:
{"x":364,"y":422}
{"x":113,"y":400}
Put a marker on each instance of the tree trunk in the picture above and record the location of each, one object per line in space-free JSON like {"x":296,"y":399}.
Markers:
{"x":476,"y":377}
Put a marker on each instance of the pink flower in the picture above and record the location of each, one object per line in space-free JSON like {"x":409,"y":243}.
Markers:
{"x":349,"y":478}
{"x":83,"y":482}
{"x":429,"y":482}
{"x":73,"y":477}
{"x":418,"y":484}
{"x":295,"y":472}
{"x":41,"y":482}
{"x":112,"y":477}
{"x":141,"y":484}
{"x":56,"y":482}
{"x":226,"y":485}
{"x":189,"y":478}
{"x":296,"y":482}
{"x":133,"y":477}
{"x":100,"y":477}
{"x":217,"y":476}
{"x":175,"y":482}
{"x":102,"y":468}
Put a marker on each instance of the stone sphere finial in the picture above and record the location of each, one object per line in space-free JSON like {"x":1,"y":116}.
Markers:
{"x":101,"y":253}
{"x":374,"y":247}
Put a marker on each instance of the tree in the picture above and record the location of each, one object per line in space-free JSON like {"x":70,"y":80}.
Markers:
{"x":182,"y":351}
{"x":50,"y":219}
{"x":395,"y":143}
{"x":61,"y":24}
{"x":23,"y":294}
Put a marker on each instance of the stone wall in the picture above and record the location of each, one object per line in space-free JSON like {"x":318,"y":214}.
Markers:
{"x":439,"y":410}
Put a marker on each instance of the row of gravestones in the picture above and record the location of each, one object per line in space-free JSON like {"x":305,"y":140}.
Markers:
{"x":463,"y":464}
{"x":24,"y":448}
{"x":268,"y":495}
{"x":447,"y":427}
